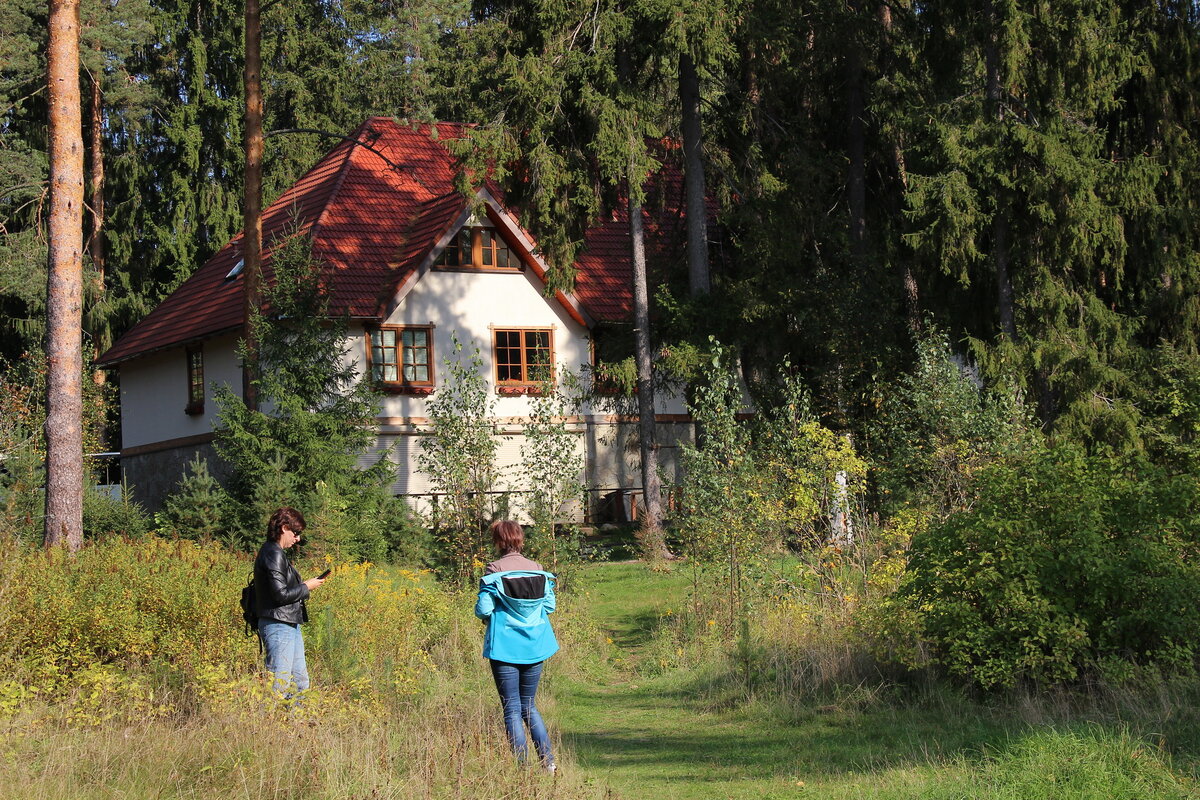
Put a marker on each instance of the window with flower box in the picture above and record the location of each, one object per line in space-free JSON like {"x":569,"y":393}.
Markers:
{"x":524,"y":357}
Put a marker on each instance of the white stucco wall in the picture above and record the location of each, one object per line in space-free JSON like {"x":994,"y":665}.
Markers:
{"x":468,"y":305}
{"x":154,"y":392}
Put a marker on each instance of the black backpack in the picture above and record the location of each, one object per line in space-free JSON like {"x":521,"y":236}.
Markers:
{"x":250,"y":607}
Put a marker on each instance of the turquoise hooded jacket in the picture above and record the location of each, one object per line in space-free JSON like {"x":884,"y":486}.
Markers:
{"x":518,"y":629}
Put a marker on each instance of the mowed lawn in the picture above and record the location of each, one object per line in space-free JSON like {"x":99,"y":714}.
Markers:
{"x":669,"y":735}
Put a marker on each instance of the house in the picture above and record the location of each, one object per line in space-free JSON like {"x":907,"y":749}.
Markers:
{"x":410,"y":264}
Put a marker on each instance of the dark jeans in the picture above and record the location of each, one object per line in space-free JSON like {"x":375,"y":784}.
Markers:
{"x":517,"y":684}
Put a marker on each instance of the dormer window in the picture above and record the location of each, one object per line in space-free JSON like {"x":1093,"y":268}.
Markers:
{"x":478,"y":245}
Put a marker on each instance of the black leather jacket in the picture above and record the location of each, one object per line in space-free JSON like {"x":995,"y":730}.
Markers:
{"x":279,"y":592}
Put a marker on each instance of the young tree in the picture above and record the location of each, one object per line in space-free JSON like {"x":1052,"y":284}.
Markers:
{"x":552,"y":467}
{"x":318,"y":412}
{"x":460,"y":459}
{"x":64,"y":300}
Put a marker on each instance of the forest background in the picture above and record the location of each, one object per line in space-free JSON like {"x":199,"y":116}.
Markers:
{"x":1023,"y":179}
{"x":956,"y":265}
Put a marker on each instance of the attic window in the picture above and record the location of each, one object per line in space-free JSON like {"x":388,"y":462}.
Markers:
{"x":237,"y":269}
{"x":478,"y":245}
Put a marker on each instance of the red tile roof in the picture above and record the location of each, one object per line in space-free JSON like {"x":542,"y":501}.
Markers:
{"x":372,"y":223}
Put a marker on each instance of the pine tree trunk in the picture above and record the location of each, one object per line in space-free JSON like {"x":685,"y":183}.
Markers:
{"x":96,"y":153}
{"x":693,"y":175}
{"x":252,"y":220}
{"x":856,"y":182}
{"x":1000,"y":226}
{"x":64,"y":299}
{"x":651,"y":490}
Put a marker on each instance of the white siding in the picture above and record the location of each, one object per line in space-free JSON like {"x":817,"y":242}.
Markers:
{"x":154,"y":392}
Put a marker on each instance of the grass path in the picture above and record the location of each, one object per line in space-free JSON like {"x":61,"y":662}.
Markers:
{"x":659,"y":738}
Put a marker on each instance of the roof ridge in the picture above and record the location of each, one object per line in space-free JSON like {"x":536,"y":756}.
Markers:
{"x":343,"y":170}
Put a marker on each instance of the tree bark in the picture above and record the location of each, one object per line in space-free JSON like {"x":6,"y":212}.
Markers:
{"x":1000,"y":228}
{"x":693,"y":174}
{"x":651,"y":490}
{"x":856,"y":172}
{"x":64,"y":289}
{"x":252,"y":214}
{"x":96,"y":153}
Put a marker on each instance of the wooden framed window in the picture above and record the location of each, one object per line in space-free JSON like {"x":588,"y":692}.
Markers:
{"x":401,"y":357}
{"x":524,"y":356}
{"x":479,"y":247}
{"x":195,"y":380}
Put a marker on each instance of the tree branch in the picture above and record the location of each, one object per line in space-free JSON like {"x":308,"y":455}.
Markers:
{"x":331,"y":135}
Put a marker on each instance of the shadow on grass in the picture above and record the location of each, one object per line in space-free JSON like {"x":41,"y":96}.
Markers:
{"x":661,"y":734}
{"x":658,"y":735}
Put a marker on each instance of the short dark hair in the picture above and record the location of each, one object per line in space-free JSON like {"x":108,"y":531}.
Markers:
{"x":507,"y":536}
{"x":285,"y":516}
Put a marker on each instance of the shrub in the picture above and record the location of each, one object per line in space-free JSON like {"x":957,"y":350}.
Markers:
{"x":938,"y":428}
{"x":373,"y":627}
{"x":1065,"y":563}
{"x":104,"y":515}
{"x":123,"y":602}
{"x":156,"y":609}
{"x":751,"y":487}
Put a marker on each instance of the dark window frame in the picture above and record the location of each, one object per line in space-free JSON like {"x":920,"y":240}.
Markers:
{"x":194,"y":370}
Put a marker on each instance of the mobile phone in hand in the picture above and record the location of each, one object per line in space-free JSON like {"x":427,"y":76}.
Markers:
{"x":324,"y":574}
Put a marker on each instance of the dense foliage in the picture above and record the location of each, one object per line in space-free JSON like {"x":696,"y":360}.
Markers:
{"x":303,"y":448}
{"x":970,"y":230}
{"x":1025,"y":177}
{"x":1065,"y":565}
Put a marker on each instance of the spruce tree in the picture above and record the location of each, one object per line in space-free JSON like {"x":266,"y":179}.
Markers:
{"x":318,"y":412}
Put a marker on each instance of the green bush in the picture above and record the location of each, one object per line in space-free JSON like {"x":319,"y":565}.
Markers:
{"x":1066,"y":563}
{"x":752,"y":487}
{"x":938,"y":428}
{"x":105,"y":516}
{"x":169,"y":608}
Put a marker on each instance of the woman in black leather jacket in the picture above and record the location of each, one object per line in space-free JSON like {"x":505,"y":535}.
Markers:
{"x":280,"y":595}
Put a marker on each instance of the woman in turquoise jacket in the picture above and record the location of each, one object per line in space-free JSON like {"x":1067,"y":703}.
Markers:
{"x":516,"y":597}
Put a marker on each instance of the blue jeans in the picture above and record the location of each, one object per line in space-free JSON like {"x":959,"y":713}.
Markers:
{"x":285,"y":655}
{"x":517,"y":684}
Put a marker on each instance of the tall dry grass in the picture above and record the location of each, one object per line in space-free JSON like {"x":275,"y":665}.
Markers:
{"x":449,"y":744}
{"x":136,"y":682}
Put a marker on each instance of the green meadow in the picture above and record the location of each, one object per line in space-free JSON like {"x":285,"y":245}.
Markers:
{"x":691,"y":732}
{"x":640,"y":705}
